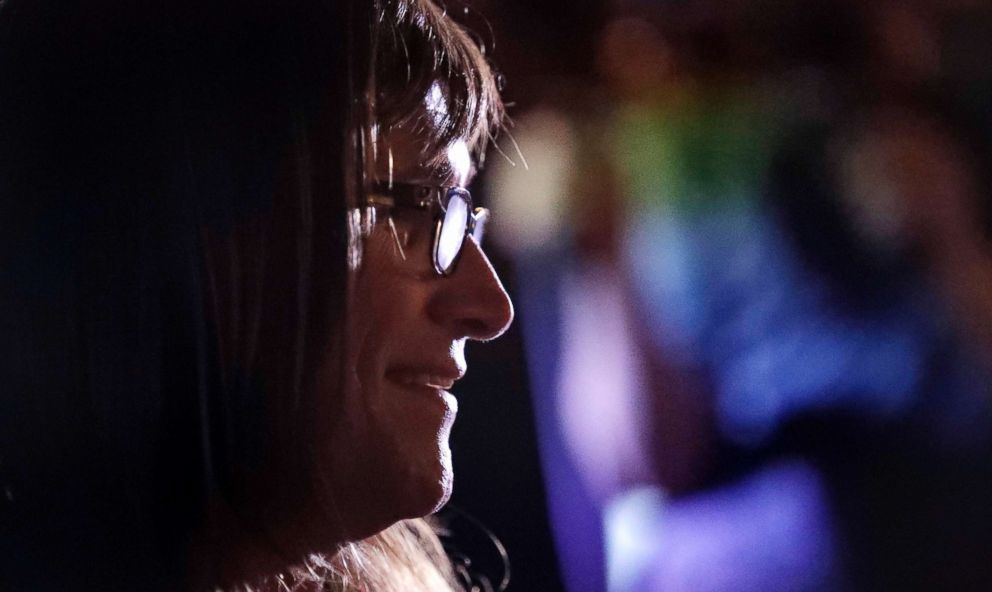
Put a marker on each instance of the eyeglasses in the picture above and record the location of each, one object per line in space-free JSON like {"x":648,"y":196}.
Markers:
{"x":430,"y":216}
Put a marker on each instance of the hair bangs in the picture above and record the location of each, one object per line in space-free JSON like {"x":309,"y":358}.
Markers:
{"x":429,"y":74}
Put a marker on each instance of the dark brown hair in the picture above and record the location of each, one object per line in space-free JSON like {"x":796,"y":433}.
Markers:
{"x":414,"y":46}
{"x":174,"y":248}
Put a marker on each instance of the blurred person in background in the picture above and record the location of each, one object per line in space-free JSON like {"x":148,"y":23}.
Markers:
{"x":240,"y":268}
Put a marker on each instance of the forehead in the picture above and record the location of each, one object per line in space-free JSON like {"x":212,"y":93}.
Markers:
{"x":406,"y":154}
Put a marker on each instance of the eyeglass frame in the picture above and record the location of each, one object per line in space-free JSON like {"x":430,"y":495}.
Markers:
{"x":435,"y":199}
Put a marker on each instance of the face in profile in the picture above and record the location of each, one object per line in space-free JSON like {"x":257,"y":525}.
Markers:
{"x":388,"y":457}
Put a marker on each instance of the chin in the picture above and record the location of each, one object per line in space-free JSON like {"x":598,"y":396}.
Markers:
{"x":421,"y":458}
{"x":428,"y":488}
{"x":445,"y":486}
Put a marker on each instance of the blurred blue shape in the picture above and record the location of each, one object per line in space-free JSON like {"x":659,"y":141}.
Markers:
{"x":631,"y":523}
{"x":725,"y":291}
{"x":573,"y":512}
{"x":771,"y":532}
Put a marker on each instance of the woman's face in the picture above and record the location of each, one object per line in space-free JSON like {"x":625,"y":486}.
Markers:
{"x":388,"y":457}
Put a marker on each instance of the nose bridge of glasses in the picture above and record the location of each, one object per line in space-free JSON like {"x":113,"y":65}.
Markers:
{"x":477,"y":224}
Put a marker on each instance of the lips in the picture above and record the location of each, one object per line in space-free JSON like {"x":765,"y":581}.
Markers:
{"x":431,"y":377}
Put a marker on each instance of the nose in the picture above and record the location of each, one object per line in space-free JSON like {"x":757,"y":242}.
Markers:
{"x":472,"y":301}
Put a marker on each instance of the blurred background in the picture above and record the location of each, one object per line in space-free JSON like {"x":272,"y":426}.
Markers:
{"x":749,"y":246}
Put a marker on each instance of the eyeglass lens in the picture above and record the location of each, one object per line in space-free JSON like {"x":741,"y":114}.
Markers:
{"x":451,"y":234}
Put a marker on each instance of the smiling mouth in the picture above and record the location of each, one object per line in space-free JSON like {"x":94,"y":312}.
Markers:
{"x":425,"y":379}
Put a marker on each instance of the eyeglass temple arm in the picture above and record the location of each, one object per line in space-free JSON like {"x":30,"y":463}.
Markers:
{"x":400,"y":194}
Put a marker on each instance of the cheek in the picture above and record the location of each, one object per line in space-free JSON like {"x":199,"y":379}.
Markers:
{"x":388,"y":451}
